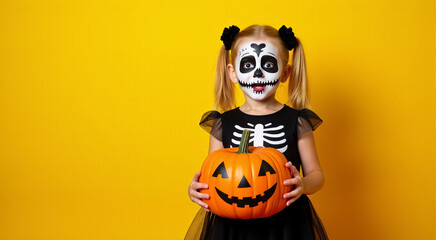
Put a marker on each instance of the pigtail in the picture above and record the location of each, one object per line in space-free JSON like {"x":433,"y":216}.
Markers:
{"x":298,"y":88}
{"x":224,"y":89}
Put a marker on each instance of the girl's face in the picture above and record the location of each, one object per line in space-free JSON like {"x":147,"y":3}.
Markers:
{"x":258,"y":68}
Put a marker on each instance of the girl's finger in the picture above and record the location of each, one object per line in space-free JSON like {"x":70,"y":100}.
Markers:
{"x":294,"y":171}
{"x":295,"y":192}
{"x":290,"y":201}
{"x":289,"y":165}
{"x":287,"y":195}
{"x":291,"y":181}
{"x":196,"y":176}
{"x":287,"y":182}
{"x":201,"y":203}
{"x":197,"y":185}
{"x":290,"y":194}
{"x":200,"y":195}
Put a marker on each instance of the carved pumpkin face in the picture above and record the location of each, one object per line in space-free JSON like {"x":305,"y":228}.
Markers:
{"x":245,"y":185}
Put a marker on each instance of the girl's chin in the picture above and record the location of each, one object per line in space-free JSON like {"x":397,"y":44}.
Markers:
{"x":258,"y":96}
{"x":265,"y":94}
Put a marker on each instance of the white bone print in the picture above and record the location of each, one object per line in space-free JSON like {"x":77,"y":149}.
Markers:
{"x":260,"y":136}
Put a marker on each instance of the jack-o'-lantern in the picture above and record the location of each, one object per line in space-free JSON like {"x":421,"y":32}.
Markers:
{"x":245,"y":182}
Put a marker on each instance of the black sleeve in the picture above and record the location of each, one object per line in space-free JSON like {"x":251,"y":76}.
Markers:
{"x":211,"y":122}
{"x":307,"y":121}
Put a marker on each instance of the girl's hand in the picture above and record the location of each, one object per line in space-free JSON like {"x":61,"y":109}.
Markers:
{"x":296,"y":181}
{"x":195,"y":195}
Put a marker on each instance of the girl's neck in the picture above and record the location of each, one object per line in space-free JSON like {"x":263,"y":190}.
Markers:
{"x":255,"y":107}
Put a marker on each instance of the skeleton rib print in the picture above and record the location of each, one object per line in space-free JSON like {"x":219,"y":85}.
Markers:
{"x":262,"y":136}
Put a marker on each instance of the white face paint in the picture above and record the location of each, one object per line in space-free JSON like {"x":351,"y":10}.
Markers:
{"x":258,"y":69}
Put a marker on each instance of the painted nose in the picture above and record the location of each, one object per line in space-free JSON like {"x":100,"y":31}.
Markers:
{"x":258,"y":73}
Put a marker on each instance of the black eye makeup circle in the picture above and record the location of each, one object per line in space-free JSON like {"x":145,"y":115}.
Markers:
{"x":247,"y":64}
{"x":269,"y":64}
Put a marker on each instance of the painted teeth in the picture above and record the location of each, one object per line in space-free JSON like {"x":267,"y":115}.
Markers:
{"x":269,"y":83}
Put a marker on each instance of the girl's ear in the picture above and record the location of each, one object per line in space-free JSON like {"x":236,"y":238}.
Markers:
{"x":232,"y":73}
{"x":286,"y":73}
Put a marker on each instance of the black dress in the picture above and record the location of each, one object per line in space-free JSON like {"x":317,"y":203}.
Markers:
{"x":280,"y":130}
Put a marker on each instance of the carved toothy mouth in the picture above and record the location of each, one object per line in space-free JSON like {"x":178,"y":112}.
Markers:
{"x":252,"y":202}
{"x":258,"y":87}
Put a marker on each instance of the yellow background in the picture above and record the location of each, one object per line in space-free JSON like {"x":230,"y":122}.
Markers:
{"x":100,"y":103}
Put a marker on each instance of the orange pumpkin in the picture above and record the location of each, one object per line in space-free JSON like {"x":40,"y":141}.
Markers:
{"x":247,"y":182}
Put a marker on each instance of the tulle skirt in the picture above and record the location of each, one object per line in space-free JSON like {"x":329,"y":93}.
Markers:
{"x":298,"y":221}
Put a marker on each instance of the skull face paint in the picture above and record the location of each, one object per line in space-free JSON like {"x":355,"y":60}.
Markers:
{"x":258,"y":69}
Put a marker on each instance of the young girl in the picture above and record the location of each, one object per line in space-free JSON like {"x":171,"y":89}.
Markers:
{"x":258,"y":62}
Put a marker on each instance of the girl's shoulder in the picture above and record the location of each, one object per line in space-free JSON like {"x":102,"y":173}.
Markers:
{"x":309,"y":117}
{"x":210,"y":118}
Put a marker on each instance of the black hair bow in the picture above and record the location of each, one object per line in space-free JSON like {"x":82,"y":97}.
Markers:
{"x":288,"y":37}
{"x":229,"y":35}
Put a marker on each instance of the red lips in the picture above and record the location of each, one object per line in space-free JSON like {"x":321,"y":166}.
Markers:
{"x":258,"y":87}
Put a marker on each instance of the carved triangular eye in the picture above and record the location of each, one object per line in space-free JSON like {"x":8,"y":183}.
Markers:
{"x":265,"y":167}
{"x":221,"y":169}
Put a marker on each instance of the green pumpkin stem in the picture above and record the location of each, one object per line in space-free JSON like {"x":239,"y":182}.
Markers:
{"x":243,"y":146}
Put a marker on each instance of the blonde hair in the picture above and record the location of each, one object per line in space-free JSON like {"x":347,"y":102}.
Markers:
{"x":298,"y":88}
